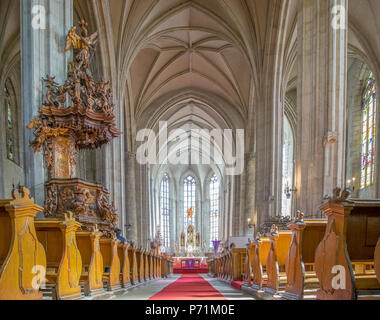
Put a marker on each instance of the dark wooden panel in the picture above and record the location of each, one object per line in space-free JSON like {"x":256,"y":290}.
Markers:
{"x":363,"y":230}
{"x":312,"y":236}
{"x":373,"y":231}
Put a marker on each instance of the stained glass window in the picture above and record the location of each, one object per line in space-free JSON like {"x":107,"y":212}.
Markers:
{"x":369,"y":133}
{"x":214,"y":209}
{"x":189,"y":185}
{"x":11,"y":124}
{"x":164,"y":204}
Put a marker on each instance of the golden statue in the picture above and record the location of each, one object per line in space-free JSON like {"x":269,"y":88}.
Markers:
{"x":182,"y":239}
{"x":198,"y":240}
{"x":190,"y":234}
{"x":84,"y":43}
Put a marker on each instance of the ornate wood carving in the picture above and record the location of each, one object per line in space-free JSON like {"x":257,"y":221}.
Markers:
{"x":332,"y":251}
{"x":76,"y":115}
{"x":92,"y":261}
{"x":88,"y":201}
{"x":114,"y":283}
{"x":155,"y":266}
{"x":125,"y":265}
{"x":257,"y":269}
{"x":21,"y":252}
{"x":70,"y":268}
{"x":247,"y":266}
{"x":160,"y":267}
{"x":294,"y":266}
{"x":95,"y":271}
{"x":135,"y":273}
{"x":151,"y":275}
{"x":272,"y":267}
{"x":146,"y":264}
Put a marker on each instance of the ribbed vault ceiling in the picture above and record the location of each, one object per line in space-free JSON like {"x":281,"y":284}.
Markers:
{"x":189,"y":49}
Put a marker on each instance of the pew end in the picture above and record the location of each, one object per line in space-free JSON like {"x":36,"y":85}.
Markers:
{"x":22,"y":256}
{"x":63,"y":259}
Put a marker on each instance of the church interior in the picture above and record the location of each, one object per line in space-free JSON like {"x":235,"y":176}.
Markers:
{"x":189,"y":150}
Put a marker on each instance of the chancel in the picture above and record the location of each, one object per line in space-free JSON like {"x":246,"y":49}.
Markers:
{"x":189,"y":150}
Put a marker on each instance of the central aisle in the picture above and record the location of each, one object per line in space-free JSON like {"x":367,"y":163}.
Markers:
{"x":189,"y":287}
{"x":184,"y":287}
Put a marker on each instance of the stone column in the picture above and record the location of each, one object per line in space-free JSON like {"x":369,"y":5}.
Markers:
{"x":335,"y":145}
{"x":42,"y":53}
{"x":249,"y":212}
{"x":320,"y":148}
{"x":131,"y":208}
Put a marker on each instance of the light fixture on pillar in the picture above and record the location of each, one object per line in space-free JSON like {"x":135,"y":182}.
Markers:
{"x":288,"y":191}
{"x":351,"y":184}
{"x":250,"y":224}
{"x":128,"y":227}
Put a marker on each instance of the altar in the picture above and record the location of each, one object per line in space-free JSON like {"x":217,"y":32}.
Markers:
{"x":190,"y":265}
{"x":190,"y":245}
{"x":190,"y":262}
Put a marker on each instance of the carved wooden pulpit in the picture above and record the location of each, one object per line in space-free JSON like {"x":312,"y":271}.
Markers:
{"x":76,"y":115}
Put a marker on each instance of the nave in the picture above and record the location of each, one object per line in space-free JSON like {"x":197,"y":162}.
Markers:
{"x":148,"y":138}
{"x":185,"y":287}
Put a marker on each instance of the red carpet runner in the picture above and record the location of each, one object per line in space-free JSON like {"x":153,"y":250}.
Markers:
{"x":189,"y":287}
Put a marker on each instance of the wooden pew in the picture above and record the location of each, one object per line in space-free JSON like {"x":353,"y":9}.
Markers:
{"x":146,"y":264}
{"x":154,"y":266}
{"x":64,"y":262}
{"x":351,"y":237}
{"x":92,"y":262}
{"x":134,"y":277}
{"x":140,"y":265}
{"x":211,"y":264}
{"x":171,"y":265}
{"x":226,"y":273}
{"x":377,"y":260}
{"x":151,"y":266}
{"x":238,"y":257}
{"x":221,"y":266}
{"x":164,"y":270}
{"x":247,"y":275}
{"x":261,"y":249}
{"x":266,"y":263}
{"x":159,"y":266}
{"x":111,"y":263}
{"x":257,"y":255}
{"x":224,"y":266}
{"x":216,"y":263}
{"x":21,"y":253}
{"x":125,"y":275}
{"x":300,"y":260}
{"x":276,"y":259}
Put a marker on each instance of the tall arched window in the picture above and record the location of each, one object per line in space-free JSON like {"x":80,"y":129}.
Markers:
{"x":189,"y":201}
{"x":214,"y":209}
{"x":369,"y":130}
{"x":287,"y":168}
{"x":11,"y":123}
{"x":164,"y":204}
